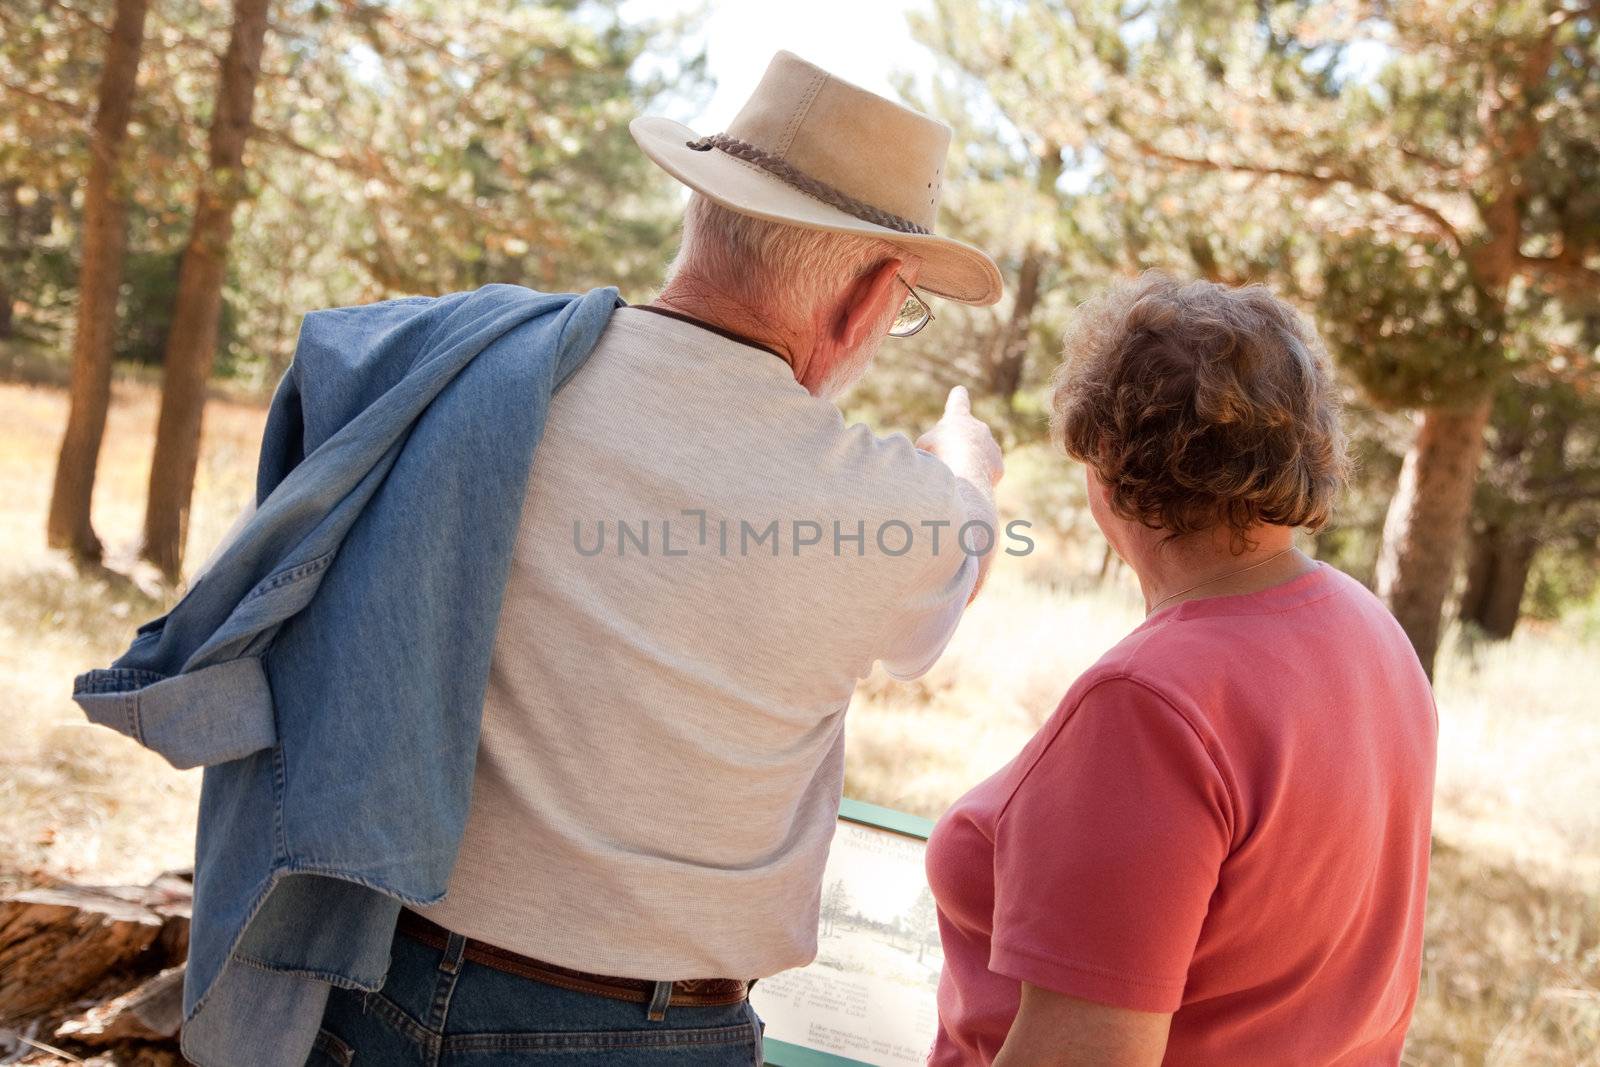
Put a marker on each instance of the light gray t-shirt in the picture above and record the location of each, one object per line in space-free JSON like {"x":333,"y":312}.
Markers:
{"x":662,"y":750}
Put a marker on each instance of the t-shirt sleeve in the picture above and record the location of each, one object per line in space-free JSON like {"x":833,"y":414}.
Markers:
{"x":925,"y":624}
{"x":930,"y":607}
{"x":1107,"y":854}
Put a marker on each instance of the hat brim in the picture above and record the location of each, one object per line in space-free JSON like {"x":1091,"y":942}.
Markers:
{"x":950,"y":268}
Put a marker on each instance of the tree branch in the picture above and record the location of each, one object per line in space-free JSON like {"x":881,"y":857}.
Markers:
{"x":44,"y":98}
{"x":83,"y":17}
{"x":1511,"y":128}
{"x":1565,"y":274}
{"x":1323,"y":177}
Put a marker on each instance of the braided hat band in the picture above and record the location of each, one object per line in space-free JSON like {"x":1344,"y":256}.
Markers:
{"x":796,"y":178}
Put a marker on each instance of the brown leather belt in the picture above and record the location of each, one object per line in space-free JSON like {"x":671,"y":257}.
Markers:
{"x":691,"y":992}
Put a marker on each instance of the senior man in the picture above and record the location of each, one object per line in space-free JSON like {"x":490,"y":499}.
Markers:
{"x":520,"y":683}
{"x":708,"y":560}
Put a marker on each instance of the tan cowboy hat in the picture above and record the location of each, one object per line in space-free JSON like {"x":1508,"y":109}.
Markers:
{"x":810,"y":149}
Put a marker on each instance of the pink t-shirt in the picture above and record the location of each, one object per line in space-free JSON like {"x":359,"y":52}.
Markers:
{"x":1227,"y":818}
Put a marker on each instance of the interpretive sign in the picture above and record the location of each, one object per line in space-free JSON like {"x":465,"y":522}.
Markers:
{"x":869,"y":996}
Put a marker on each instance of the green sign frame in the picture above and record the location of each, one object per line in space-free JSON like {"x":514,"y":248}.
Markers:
{"x":782,"y":1053}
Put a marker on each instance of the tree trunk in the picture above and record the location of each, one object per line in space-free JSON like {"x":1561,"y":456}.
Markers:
{"x":192,"y":343}
{"x":11,"y":251}
{"x":1427,"y":520}
{"x":1498,"y":564}
{"x":1009,"y":353}
{"x":1482,"y":544}
{"x":105,"y":241}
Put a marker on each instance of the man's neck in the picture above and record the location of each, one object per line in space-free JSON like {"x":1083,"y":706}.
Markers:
{"x":717,"y":310}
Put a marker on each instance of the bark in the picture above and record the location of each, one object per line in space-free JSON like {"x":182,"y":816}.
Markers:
{"x":1427,"y":520}
{"x":192,"y":342}
{"x":150,"y":1011}
{"x":57,"y":944}
{"x":105,"y":238}
{"x":1498,"y":564}
{"x":97,"y":970}
{"x":11,"y":251}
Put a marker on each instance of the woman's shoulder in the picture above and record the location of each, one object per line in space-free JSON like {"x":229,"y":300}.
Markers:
{"x":1133,"y":679}
{"x":1157,"y":656}
{"x":1243,"y":664}
{"x":1191,"y":634}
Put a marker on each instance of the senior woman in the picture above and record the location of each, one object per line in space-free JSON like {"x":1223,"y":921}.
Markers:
{"x":1215,"y":851}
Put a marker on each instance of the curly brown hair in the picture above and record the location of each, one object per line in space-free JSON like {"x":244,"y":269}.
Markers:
{"x":1200,"y":405}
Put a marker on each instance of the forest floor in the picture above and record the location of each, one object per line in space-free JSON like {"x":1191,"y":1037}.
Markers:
{"x":1512,"y":968}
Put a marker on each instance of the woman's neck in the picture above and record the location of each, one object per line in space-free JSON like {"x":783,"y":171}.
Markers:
{"x":1209,"y":564}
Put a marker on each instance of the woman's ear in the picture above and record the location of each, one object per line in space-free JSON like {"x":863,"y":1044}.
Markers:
{"x":864,"y":303}
{"x":1096,"y":487}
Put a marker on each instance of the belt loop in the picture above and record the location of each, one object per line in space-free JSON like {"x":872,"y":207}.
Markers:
{"x":454,"y":949}
{"x":659,"y":1002}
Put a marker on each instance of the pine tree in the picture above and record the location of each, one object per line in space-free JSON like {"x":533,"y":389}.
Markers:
{"x":105,"y":236}
{"x":1425,"y":174}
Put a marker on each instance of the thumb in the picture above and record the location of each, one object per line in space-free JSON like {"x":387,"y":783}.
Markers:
{"x":958,"y":403}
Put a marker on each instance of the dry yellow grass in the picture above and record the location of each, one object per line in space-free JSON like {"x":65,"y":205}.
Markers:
{"x":1512,"y":975}
{"x":78,"y":801}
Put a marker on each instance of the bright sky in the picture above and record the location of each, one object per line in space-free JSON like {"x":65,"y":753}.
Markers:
{"x":861,"y":41}
{"x":867,"y":42}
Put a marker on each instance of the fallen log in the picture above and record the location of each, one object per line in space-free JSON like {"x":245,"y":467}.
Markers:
{"x":56,"y":944}
{"x":150,"y":1011}
{"x":99,"y":969}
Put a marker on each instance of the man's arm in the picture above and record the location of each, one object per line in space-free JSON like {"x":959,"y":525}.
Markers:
{"x":969,"y":449}
{"x":926,"y":622}
{"x":1055,"y":1030}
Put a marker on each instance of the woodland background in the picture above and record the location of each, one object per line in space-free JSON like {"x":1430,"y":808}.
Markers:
{"x":180,"y":180}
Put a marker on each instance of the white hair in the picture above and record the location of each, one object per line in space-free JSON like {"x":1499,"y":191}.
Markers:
{"x":765,"y":264}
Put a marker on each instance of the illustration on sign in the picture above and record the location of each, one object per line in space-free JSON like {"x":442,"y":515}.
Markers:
{"x":869,"y":996}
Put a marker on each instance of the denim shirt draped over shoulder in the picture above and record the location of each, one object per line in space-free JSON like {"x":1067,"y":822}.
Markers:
{"x":328,"y":668}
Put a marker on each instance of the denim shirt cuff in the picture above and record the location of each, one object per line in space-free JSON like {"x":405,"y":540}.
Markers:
{"x":198,"y":718}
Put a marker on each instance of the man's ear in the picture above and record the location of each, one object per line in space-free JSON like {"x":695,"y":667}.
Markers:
{"x":863,"y":302}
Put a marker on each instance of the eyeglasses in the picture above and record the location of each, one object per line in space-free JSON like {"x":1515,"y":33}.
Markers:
{"x":913,"y":315}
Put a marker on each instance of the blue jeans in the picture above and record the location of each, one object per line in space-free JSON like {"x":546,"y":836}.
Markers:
{"x":437,"y":1009}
